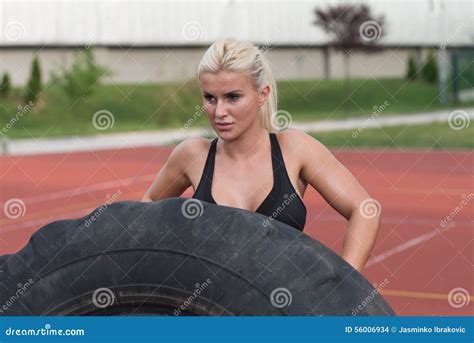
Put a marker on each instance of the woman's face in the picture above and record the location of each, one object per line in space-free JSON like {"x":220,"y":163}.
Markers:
{"x":230,"y":98}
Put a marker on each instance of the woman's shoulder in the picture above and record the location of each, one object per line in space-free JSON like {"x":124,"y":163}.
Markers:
{"x":296,"y":139}
{"x":289,"y":134}
{"x":194,"y":146}
{"x":299,"y":144}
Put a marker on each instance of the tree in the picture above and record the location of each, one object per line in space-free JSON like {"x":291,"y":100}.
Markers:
{"x":79,"y":80}
{"x":33,"y":88}
{"x":5,"y":86}
{"x":351,"y":27}
{"x":430,"y":69}
{"x":411,"y":69}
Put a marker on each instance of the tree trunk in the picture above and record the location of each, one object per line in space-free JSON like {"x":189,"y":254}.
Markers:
{"x":347,"y":82}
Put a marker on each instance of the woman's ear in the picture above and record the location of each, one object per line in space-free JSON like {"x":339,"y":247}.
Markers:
{"x":263,"y":96}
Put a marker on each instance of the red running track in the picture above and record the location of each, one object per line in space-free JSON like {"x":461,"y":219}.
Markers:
{"x":417,"y":261}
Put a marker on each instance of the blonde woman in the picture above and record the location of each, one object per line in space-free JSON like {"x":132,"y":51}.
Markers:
{"x":252,"y":167}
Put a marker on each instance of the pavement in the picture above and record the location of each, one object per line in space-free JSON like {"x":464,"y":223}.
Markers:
{"x":171,"y":136}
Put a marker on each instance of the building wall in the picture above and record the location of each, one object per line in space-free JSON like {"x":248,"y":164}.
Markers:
{"x":192,"y":23}
{"x":177,"y":64}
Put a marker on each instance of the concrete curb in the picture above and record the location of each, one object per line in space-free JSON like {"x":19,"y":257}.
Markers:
{"x":163,"y":137}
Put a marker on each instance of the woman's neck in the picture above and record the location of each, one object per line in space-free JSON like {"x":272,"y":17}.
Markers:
{"x":250,"y":144}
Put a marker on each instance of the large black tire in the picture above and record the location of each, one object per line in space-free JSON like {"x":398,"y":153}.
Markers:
{"x":180,"y":257}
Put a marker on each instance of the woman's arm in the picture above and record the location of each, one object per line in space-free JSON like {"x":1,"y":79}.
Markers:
{"x":344,"y":193}
{"x":172,"y":179}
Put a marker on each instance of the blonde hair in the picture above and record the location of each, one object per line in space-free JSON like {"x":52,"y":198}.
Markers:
{"x":232,"y":55}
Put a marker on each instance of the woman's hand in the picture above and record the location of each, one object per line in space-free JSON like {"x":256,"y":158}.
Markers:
{"x":342,"y":191}
{"x":361,"y":234}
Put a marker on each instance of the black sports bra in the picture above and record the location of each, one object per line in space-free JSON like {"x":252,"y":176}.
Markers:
{"x":282,"y":203}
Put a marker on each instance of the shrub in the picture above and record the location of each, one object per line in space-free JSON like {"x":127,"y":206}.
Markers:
{"x":33,"y":87}
{"x":411,"y":71}
{"x":78,"y":81}
{"x":5,"y":86}
{"x":430,"y":69}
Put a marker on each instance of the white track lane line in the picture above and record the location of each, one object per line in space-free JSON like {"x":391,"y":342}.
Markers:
{"x":68,"y":193}
{"x":407,"y":245}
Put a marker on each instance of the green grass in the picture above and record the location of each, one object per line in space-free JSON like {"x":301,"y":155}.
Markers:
{"x":329,"y":99}
{"x":434,"y":136}
{"x":153,"y":107}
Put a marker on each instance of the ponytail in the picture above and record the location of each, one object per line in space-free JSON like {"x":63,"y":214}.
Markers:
{"x":238,"y":56}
